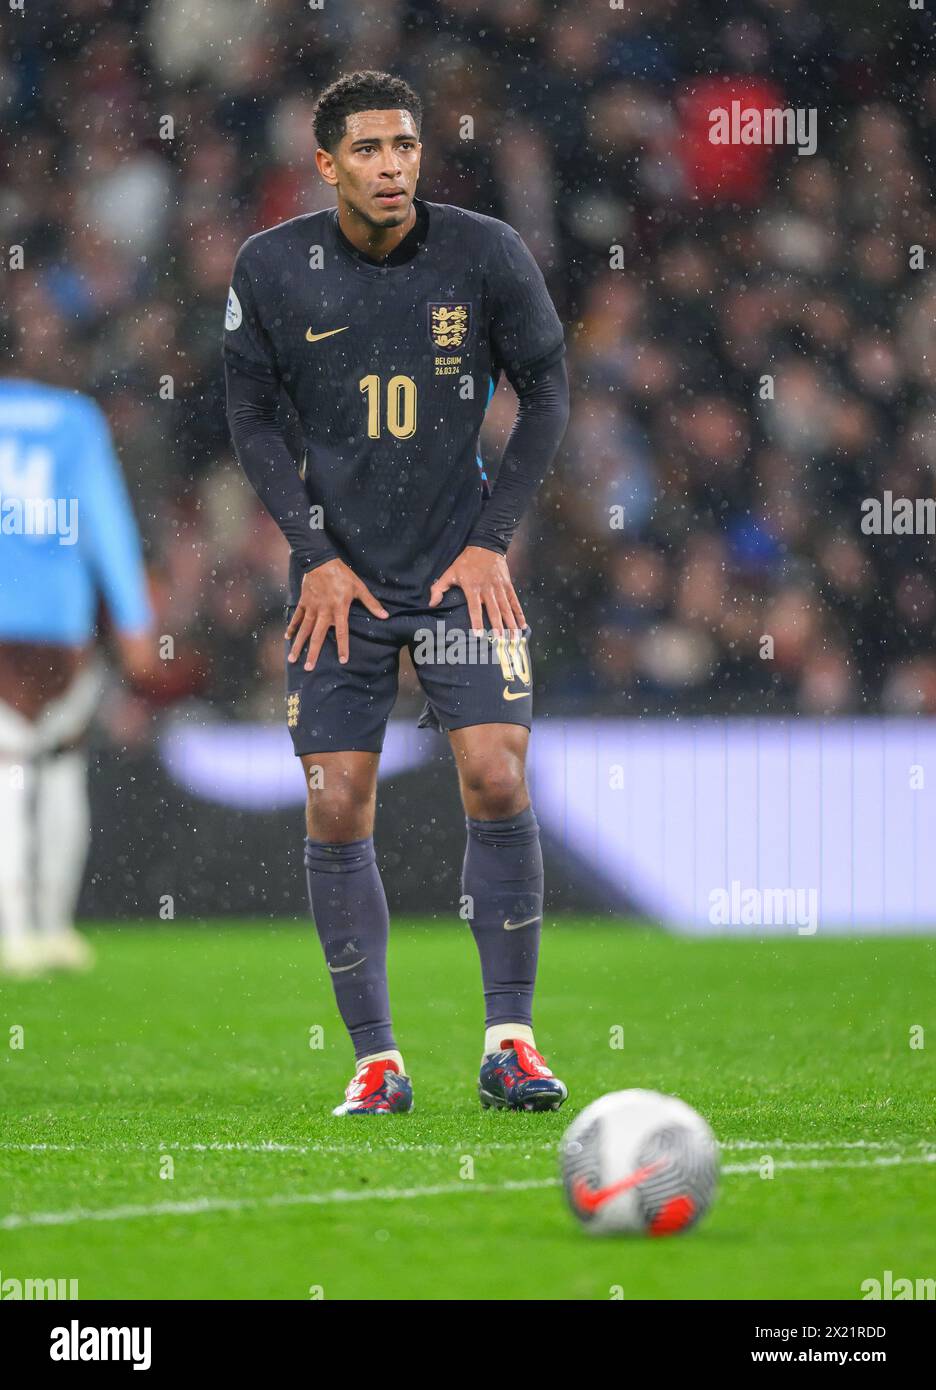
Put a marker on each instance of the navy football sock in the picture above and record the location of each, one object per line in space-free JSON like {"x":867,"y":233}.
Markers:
{"x":503,"y":876}
{"x":350,"y":911}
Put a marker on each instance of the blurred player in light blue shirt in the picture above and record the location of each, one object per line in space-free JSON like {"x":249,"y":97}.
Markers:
{"x":67,"y":539}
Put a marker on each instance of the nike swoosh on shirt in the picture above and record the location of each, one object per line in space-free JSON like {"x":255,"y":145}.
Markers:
{"x":591,"y":1198}
{"x":513,"y":926}
{"x":314,"y":337}
{"x":337,"y":969}
{"x":516,"y":695}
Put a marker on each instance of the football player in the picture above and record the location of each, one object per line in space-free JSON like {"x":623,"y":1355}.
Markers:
{"x":385,"y":323}
{"x":67,"y":538}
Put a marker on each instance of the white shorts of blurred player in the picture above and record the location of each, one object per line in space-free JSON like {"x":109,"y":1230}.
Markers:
{"x":45,"y":829}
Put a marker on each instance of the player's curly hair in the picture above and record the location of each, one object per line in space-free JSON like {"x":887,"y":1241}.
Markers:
{"x":365,"y":90}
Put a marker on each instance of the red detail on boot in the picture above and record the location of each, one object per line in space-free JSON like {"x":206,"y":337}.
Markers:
{"x":530,"y":1060}
{"x":369,"y":1079}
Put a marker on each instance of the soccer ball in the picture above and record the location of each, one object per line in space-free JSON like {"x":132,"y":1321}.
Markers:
{"x":639,"y":1162}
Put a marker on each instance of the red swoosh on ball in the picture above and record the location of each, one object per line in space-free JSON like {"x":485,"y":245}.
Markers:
{"x":591,"y":1199}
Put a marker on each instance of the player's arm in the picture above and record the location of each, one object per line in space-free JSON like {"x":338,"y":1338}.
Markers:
{"x":329,"y":587}
{"x":480,"y":571}
{"x":542,"y":417}
{"x":264,"y":455}
{"x":527,"y":341}
{"x":252,"y":380}
{"x":108,"y":529}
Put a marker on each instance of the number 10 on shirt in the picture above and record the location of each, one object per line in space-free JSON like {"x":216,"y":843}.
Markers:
{"x":401,"y":406}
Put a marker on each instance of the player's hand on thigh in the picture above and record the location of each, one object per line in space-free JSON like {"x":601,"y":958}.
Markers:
{"x":326,"y":596}
{"x":484,"y":579}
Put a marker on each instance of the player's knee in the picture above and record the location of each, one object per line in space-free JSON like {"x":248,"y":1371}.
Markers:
{"x":340,"y":813}
{"x":495,"y":788}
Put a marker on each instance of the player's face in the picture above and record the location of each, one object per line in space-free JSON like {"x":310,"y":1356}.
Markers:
{"x":376,"y":166}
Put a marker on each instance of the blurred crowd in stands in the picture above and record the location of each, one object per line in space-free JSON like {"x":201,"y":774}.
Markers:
{"x":751,"y":335}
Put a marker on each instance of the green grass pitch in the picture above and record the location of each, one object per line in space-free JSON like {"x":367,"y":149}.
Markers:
{"x":193,"y":1045}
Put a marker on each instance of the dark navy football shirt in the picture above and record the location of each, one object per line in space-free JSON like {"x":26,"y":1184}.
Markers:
{"x":390,"y":368}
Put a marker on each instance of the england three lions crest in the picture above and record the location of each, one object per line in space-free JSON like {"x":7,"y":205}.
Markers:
{"x":449,"y":324}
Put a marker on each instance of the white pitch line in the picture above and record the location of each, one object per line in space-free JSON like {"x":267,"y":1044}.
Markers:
{"x":198,"y":1206}
{"x":519,"y":1146}
{"x":271,"y":1147}
{"x":825,"y":1144}
{"x":813,"y":1164}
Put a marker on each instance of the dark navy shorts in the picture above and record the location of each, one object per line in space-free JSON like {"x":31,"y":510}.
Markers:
{"x":466,"y":680}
